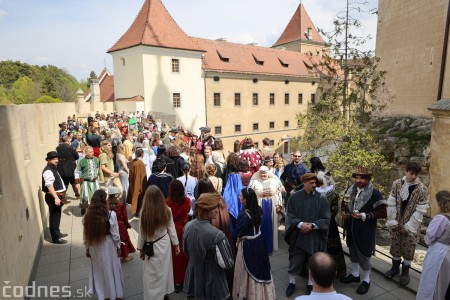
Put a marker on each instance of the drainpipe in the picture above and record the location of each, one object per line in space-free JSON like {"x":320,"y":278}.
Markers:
{"x":444,"y":54}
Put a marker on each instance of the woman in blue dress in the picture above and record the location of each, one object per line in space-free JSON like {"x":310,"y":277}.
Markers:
{"x":252,"y":277}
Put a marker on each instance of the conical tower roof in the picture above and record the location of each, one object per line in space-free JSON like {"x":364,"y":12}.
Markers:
{"x":154,"y":26}
{"x":297,"y":29}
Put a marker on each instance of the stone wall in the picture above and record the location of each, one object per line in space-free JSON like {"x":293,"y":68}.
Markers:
{"x":27,"y":133}
{"x":440,"y":155}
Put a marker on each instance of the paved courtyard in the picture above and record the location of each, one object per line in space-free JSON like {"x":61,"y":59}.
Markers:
{"x":67,"y":265}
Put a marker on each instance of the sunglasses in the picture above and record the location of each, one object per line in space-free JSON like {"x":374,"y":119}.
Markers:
{"x":297,"y":156}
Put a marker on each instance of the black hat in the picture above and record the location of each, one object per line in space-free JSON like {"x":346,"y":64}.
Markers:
{"x":51,"y":154}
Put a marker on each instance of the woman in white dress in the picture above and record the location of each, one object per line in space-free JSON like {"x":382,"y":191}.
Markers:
{"x":268,"y":190}
{"x":435,"y":278}
{"x":102,"y":241}
{"x":157,"y":227}
{"x":190,"y":183}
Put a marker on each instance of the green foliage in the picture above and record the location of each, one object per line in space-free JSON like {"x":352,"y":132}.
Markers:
{"x":4,"y":99}
{"x":46,"y":80}
{"x":335,"y":127}
{"x":48,"y":99}
{"x":24,"y":90}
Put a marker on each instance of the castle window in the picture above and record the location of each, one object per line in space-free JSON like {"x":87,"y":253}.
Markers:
{"x":271,"y":125}
{"x":283,"y":64}
{"x":286,"y":98}
{"x":237,"y":128}
{"x":223,"y":57}
{"x":258,"y":61}
{"x":313,"y":98}
{"x":237,"y":99}
{"x":218,"y":130}
{"x":300,"y":98}
{"x":176,"y":100}
{"x":216,"y":99}
{"x":255,"y":99}
{"x":175,"y":65}
{"x":272,"y":99}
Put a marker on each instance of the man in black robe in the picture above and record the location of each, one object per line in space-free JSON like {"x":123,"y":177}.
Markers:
{"x":364,"y":206}
{"x":308,"y":213}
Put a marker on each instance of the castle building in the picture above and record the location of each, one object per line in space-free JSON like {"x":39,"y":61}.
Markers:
{"x":237,"y":90}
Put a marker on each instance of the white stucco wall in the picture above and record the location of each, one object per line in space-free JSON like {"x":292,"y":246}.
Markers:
{"x":158,"y":83}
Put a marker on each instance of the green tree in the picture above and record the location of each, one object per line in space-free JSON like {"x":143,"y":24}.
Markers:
{"x":335,"y":127}
{"x":25,"y":90}
{"x":48,"y":99}
{"x":4,"y":98}
{"x":48,"y":87}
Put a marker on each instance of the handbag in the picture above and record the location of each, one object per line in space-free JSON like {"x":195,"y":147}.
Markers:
{"x":148,"y":247}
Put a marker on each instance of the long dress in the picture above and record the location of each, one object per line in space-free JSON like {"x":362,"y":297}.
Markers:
{"x":158,"y":270}
{"x":106,"y":278}
{"x":435,"y":277}
{"x":138,"y":185}
{"x":189,"y":186}
{"x":205,"y":279}
{"x":268,"y":198}
{"x":252,"y":277}
{"x":180,"y":218}
{"x":124,"y":178}
{"x":231,"y":195}
{"x":126,"y":246}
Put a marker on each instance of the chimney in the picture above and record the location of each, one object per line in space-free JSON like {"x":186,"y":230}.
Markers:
{"x":95,"y":91}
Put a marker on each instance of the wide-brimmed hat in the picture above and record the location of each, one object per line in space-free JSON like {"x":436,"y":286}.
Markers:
{"x":310,"y":176}
{"x":51,"y":154}
{"x":361,"y":171}
{"x":174,"y":129}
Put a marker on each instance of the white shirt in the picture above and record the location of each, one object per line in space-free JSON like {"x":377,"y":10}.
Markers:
{"x":323,"y":296}
{"x":49,"y":179}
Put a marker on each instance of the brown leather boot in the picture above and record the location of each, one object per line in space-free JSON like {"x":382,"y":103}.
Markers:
{"x":404,"y":278}
{"x":395,"y":269}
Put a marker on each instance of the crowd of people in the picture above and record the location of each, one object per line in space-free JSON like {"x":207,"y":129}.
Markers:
{"x":217,"y":212}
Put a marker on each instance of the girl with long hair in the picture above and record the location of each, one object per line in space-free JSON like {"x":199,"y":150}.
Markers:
{"x":197,"y":163}
{"x":190,"y":183}
{"x":180,"y":206}
{"x":157,"y":227}
{"x":102,"y":241}
{"x":252,"y":277}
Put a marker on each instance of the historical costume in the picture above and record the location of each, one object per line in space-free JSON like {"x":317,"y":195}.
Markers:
{"x":87,"y":171}
{"x":180,"y":217}
{"x":106,"y":278}
{"x":67,"y":164}
{"x":366,"y":205}
{"x":138,"y":185}
{"x":334,"y":245}
{"x":54,"y":189}
{"x":308,"y":221}
{"x":435,"y":277}
{"x":407,"y":204}
{"x":158,"y":269}
{"x":252,"y":277}
{"x":268,"y":192}
{"x":119,"y":207}
{"x":231,"y":196}
{"x":205,"y":278}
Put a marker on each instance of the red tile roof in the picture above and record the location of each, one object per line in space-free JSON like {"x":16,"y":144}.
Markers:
{"x":154,"y":26}
{"x":243,"y":59}
{"x":298,"y":25}
{"x":106,"y":83}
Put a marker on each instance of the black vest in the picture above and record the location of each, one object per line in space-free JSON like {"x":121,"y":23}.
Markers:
{"x":58,"y":184}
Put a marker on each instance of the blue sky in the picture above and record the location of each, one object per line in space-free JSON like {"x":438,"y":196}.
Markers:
{"x":75,"y":35}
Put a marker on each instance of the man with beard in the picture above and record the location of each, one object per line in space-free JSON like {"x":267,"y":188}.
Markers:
{"x":293,"y":172}
{"x":87,"y":175}
{"x":54,"y":189}
{"x":407,"y":204}
{"x":365,"y":206}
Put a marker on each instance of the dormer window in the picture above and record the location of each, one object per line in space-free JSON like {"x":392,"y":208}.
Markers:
{"x":258,"y":61}
{"x":223,"y":57}
{"x":284,"y":64}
